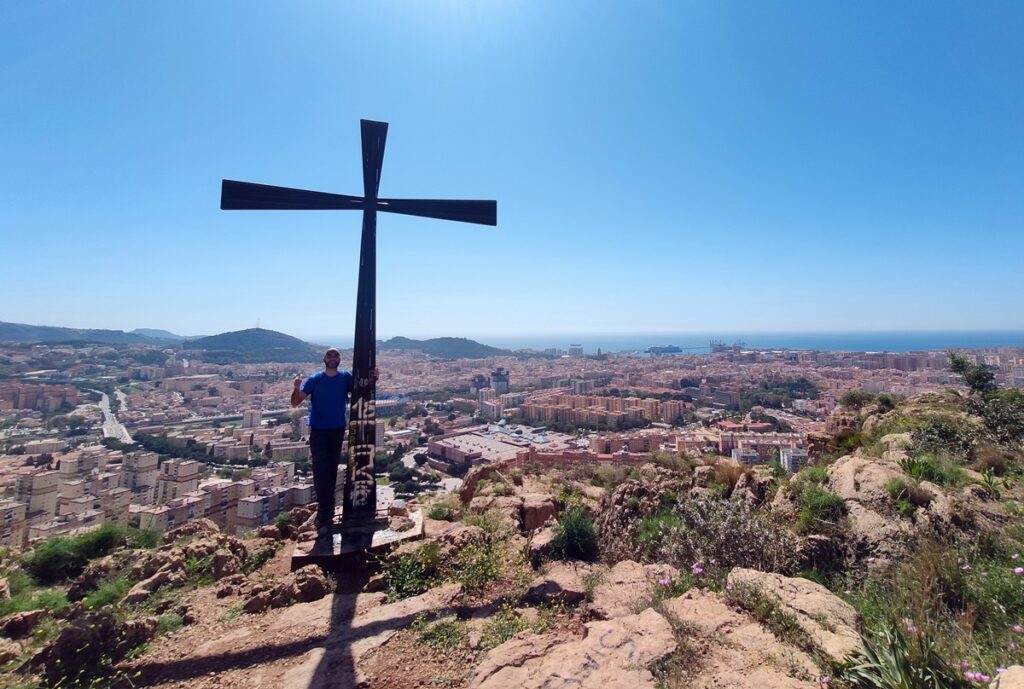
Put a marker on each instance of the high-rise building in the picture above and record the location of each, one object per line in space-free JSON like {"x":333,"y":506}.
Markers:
{"x":252,"y":418}
{"x":499,"y":380}
{"x":575,"y":350}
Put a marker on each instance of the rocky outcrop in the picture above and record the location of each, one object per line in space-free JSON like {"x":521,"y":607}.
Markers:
{"x":562,"y":582}
{"x":5,"y":589}
{"x":192,"y":528}
{"x":736,"y":652}
{"x":1013,"y":678}
{"x":622,"y":510}
{"x":614,"y":654}
{"x":862,"y":479}
{"x":91,"y":577}
{"x":541,"y":542}
{"x":538,"y":508}
{"x":625,"y":586}
{"x":302,"y":586}
{"x":827,"y":620}
{"x":471,"y":481}
{"x":509,"y":507}
{"x":91,"y":639}
{"x":456,"y":537}
{"x":18,"y":625}
{"x":752,"y":488}
{"x":9,"y":650}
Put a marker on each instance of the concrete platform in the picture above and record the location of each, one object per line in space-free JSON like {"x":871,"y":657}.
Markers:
{"x":352,"y":544}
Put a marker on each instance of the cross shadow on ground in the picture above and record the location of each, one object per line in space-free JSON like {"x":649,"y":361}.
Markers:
{"x":332,"y":658}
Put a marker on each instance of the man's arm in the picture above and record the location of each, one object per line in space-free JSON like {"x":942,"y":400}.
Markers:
{"x":297,"y":394}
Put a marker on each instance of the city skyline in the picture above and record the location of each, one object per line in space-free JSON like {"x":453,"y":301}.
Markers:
{"x":725,"y":167}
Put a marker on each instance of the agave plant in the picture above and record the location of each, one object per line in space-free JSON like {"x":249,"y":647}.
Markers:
{"x":893,"y":659}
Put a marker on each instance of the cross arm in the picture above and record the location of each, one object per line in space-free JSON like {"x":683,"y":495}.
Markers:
{"x":248,"y":196}
{"x":479,"y":212}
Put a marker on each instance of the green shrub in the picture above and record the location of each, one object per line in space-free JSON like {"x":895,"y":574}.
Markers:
{"x":492,"y":522}
{"x":200,"y":569}
{"x":502,"y":489}
{"x":143,"y":538}
{"x":63,"y":557}
{"x":477,"y":566}
{"x":108,"y":593}
{"x":410,"y":574}
{"x":283,"y":522}
{"x":505,"y":624}
{"x":935,"y":468}
{"x":940,"y":435}
{"x":728,"y":532}
{"x":575,"y":537}
{"x":819,"y":505}
{"x":443,"y":510}
{"x":26,"y":599}
{"x":446,"y":634}
{"x":652,"y":530}
{"x":168,"y":623}
{"x":257,"y":558}
{"x":813,"y":474}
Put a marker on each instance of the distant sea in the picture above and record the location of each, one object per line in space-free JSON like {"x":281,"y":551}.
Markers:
{"x":697,"y":343}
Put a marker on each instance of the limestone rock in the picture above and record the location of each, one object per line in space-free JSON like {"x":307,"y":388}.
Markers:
{"x":257,"y":602}
{"x":626,"y":585}
{"x":563,"y":582}
{"x":829,"y":621}
{"x":18,"y":625}
{"x":614,"y":654}
{"x":752,"y":487}
{"x":89,"y":639}
{"x":9,"y":650}
{"x":703,"y":476}
{"x":736,"y":651}
{"x":192,"y":528}
{"x":1013,"y":678}
{"x":90,"y":578}
{"x":874,"y":534}
{"x":311,"y":584}
{"x":537,"y":510}
{"x":400,"y":523}
{"x":5,"y":589}
{"x":862,"y":479}
{"x":540,"y":545}
{"x":472,"y":480}
{"x":225,"y":564}
{"x":510,"y":507}
{"x":270,"y":531}
{"x":456,"y":537}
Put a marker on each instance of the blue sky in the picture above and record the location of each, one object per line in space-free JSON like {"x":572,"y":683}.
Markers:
{"x":659,"y":167}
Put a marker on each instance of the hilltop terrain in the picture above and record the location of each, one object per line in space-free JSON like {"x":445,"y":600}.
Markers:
{"x":445,"y":347}
{"x":892,"y":560}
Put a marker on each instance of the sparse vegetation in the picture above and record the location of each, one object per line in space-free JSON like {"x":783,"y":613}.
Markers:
{"x":575,"y":537}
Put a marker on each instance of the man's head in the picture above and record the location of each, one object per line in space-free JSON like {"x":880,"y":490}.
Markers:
{"x":332,"y":358}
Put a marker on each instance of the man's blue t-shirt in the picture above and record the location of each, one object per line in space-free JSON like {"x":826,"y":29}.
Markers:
{"x":328,"y":398}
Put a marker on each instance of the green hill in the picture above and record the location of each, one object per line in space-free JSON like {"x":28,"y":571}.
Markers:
{"x":445,"y":347}
{"x":255,"y":345}
{"x":24,"y":333}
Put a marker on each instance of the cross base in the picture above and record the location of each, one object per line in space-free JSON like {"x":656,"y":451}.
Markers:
{"x":352,"y":542}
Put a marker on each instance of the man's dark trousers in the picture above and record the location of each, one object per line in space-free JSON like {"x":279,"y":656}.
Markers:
{"x":325,"y":447}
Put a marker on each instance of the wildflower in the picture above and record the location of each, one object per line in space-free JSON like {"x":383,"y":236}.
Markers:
{"x":825,"y":679}
{"x":1017,"y":629}
{"x":984,"y":574}
{"x":964,"y":665}
{"x":970,"y":675}
{"x":1014,"y":645}
{"x":984,"y":679}
{"x":966,"y":568}
{"x":911,"y":629}
{"x":728,"y":586}
{"x":871,"y":560}
{"x":697,"y":569}
{"x":665,"y":582}
{"x":1015,"y":556}
{"x":1018,"y":570}
{"x":1000,"y":670}
{"x":848,"y":592}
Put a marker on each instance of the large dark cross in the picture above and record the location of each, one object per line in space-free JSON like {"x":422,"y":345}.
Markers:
{"x":360,"y":501}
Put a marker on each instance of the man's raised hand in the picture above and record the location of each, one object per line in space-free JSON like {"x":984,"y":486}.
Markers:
{"x":298,"y":381}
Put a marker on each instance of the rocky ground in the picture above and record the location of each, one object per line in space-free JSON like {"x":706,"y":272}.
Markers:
{"x":692,"y":574}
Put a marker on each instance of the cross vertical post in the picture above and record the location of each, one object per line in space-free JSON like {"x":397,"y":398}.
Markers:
{"x":360,"y":492}
{"x":359,"y":504}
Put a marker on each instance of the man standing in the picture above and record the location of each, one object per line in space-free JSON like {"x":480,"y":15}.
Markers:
{"x":328,"y":391}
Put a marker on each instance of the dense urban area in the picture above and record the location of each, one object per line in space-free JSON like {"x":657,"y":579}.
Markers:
{"x":154,"y":435}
